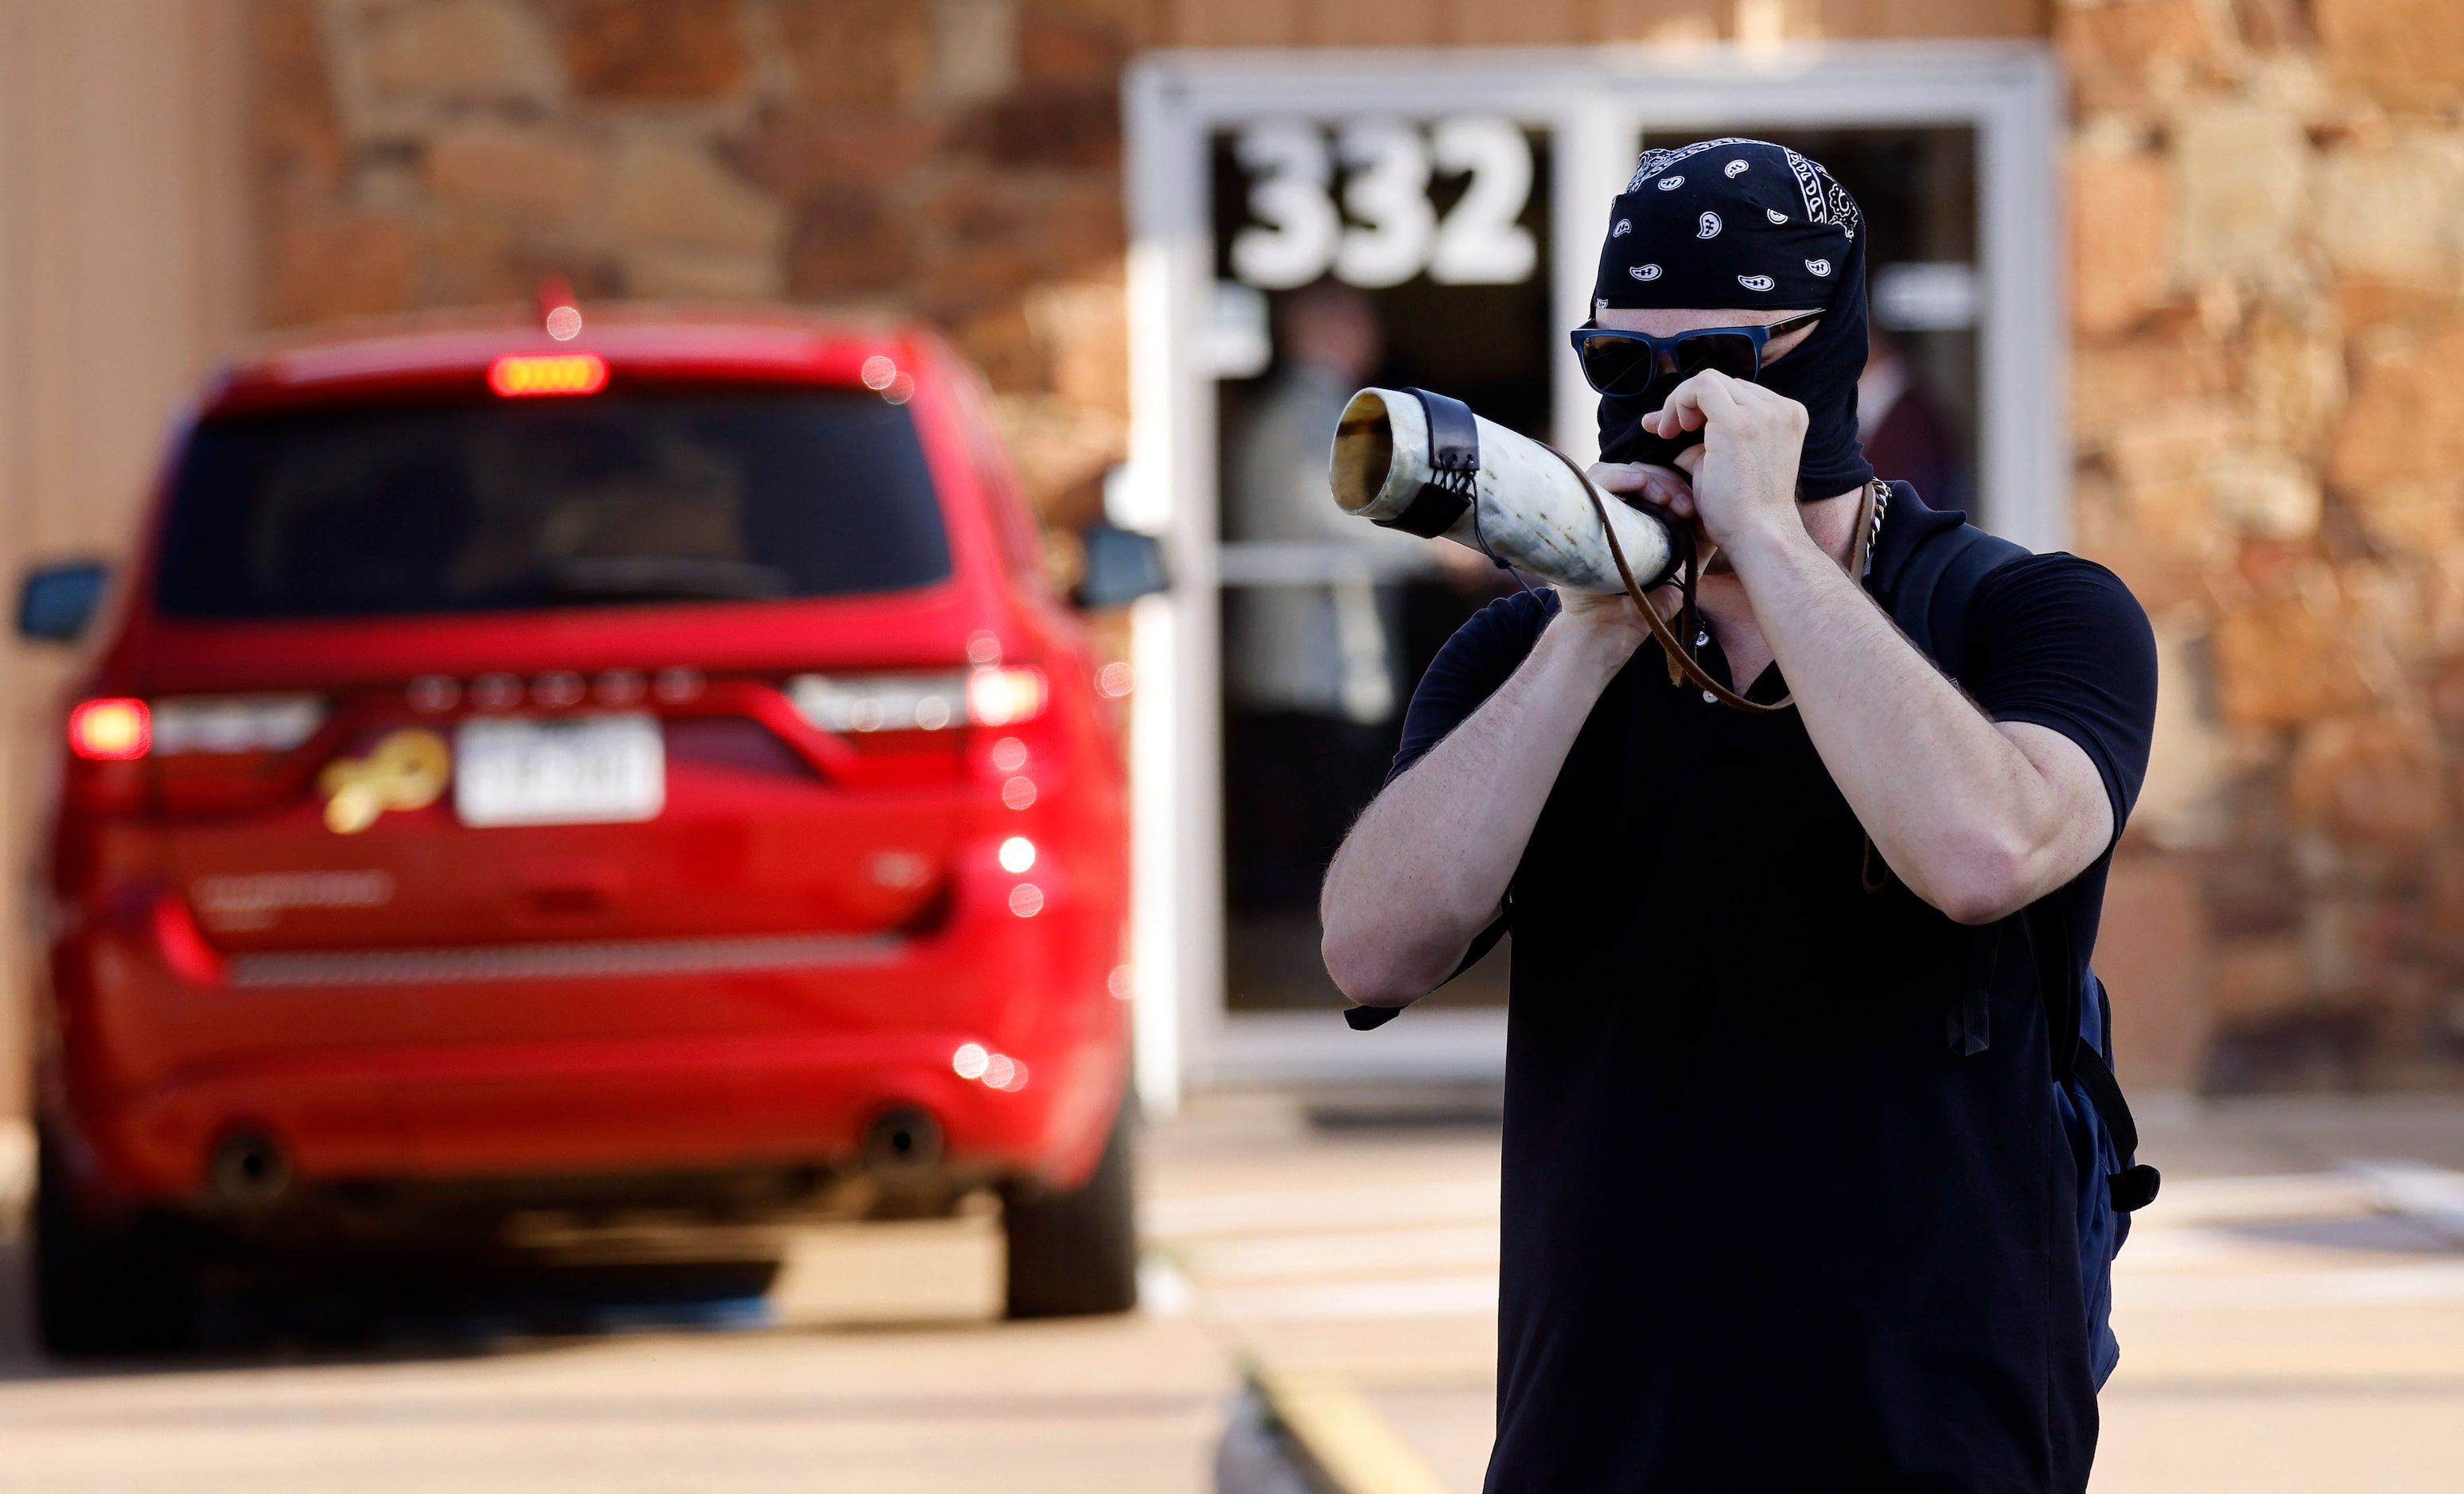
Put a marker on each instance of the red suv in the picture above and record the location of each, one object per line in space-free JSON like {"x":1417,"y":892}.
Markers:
{"x":530,"y":765}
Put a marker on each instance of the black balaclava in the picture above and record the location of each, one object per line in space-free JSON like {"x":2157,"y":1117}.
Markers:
{"x":1745,"y":223}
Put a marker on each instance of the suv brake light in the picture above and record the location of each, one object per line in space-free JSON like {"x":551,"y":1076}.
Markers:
{"x":548,"y":373}
{"x":112,"y":730}
{"x":1004,"y":696}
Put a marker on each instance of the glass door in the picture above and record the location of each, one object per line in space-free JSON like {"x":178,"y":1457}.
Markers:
{"x":1303,"y":222}
{"x":1368,"y":250}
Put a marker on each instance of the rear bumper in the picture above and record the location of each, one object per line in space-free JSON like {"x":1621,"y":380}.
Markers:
{"x":566,"y":1108}
{"x":572,"y":1058}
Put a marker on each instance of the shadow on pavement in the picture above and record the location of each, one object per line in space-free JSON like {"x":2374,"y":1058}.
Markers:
{"x":346,"y":1309}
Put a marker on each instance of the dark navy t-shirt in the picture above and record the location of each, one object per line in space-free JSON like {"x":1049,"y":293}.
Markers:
{"x":1762,"y":1227}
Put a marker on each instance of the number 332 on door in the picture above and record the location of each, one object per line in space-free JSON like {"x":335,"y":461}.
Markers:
{"x":1393,"y":232}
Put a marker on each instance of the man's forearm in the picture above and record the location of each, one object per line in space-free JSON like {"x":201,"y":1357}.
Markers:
{"x":1957,"y":809}
{"x":1424,"y":869}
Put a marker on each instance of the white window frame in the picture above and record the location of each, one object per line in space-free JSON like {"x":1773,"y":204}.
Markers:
{"x":1594,"y":103}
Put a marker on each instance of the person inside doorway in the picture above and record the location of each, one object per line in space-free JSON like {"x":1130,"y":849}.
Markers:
{"x":1762,"y":1227}
{"x":1310,"y":666}
{"x":1905,"y":436}
{"x":1318,"y":650}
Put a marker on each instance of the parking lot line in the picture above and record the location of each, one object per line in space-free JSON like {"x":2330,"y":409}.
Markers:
{"x":1350,"y":1444}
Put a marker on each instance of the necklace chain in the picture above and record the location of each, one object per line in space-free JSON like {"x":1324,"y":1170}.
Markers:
{"x":1874,"y":535}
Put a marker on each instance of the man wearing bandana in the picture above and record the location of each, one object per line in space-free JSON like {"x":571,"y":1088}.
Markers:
{"x":1763,"y":1228}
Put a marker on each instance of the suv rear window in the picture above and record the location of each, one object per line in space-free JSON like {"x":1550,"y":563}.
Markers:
{"x":516,"y":504}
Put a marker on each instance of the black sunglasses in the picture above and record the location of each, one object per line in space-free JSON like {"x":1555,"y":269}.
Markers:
{"x":1625,"y":363}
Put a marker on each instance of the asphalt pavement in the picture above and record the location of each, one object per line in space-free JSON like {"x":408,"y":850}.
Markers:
{"x":2292,"y":1316}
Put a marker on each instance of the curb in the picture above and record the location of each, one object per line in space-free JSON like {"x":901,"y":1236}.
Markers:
{"x":1346,"y":1443}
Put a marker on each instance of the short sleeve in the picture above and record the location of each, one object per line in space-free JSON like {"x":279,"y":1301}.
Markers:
{"x":2060,"y":643}
{"x":1483,"y":655}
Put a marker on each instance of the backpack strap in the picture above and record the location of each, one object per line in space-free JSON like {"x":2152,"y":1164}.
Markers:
{"x":2135,"y":1186}
{"x":1968,"y":1022}
{"x":2049,"y":949}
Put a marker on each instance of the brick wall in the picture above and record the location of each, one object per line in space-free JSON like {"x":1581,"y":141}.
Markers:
{"x":2267,"y":210}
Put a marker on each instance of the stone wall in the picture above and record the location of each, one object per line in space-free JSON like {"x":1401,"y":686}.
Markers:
{"x":2267,"y":212}
{"x":954,"y":158}
{"x":2267,"y":217}
{"x":957,"y":160}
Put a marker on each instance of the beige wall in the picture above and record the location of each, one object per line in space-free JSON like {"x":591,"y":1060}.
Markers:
{"x":123,"y":264}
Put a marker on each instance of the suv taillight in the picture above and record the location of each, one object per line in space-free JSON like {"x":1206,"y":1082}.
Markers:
{"x":119,"y":730}
{"x":1006,"y":696}
{"x":866,"y":703}
{"x":110,"y":730}
{"x":850,"y":703}
{"x":236,"y":724}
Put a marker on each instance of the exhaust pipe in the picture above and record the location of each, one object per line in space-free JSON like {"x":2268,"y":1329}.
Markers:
{"x":903,"y":1139}
{"x":249,"y":1170}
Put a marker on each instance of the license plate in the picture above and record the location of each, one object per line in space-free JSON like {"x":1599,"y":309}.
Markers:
{"x":586,"y":770}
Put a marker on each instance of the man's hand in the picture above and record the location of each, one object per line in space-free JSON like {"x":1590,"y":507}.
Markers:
{"x":1661,"y":487}
{"x":1744,"y":472}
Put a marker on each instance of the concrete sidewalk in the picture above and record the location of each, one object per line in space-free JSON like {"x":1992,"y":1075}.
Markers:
{"x":876,"y":1366}
{"x":2292,"y":1314}
{"x":2291,"y":1311}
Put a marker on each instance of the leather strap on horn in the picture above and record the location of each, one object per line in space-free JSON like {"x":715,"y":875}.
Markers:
{"x":1454,"y":468}
{"x":1681,"y":663}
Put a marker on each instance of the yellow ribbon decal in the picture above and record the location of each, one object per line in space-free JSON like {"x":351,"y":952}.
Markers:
{"x":407,"y":771}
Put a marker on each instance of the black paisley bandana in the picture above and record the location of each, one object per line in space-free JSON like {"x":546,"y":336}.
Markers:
{"x":1743,"y":223}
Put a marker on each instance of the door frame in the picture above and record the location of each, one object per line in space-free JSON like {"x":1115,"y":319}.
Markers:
{"x":1594,"y":103}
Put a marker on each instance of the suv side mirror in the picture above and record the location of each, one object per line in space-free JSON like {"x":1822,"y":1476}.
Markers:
{"x":1122,"y":565}
{"x":56,"y":602}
